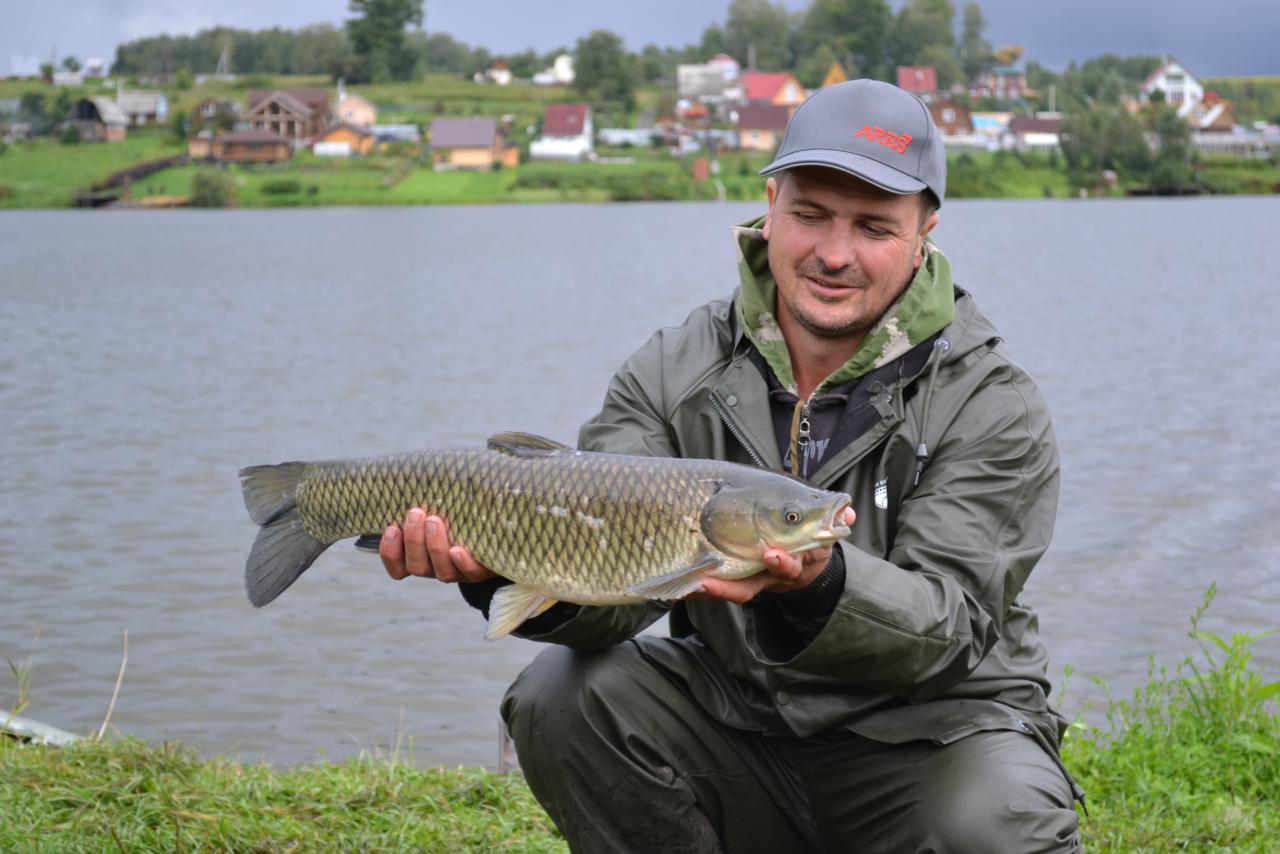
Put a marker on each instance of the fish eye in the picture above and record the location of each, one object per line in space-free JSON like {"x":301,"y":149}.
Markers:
{"x":792,"y":515}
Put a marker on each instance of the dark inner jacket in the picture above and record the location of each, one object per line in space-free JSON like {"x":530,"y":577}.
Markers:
{"x":915,"y":630}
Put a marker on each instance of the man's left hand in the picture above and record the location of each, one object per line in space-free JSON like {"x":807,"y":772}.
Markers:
{"x":782,"y":572}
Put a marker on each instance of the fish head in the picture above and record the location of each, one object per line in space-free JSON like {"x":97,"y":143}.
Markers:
{"x":764,"y":510}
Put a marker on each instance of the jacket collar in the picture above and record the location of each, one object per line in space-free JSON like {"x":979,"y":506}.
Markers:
{"x":923,"y":309}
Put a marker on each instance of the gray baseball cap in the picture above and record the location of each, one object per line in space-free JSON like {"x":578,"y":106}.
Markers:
{"x":871,"y":130}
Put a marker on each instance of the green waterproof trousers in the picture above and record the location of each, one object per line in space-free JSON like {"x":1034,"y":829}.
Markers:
{"x":624,"y":759}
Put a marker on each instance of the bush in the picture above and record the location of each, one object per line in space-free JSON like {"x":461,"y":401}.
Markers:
{"x":281,"y":186}
{"x":5,"y":191}
{"x":211,"y":189}
{"x":69,"y":136}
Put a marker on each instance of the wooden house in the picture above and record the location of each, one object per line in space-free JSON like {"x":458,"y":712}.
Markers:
{"x":835,"y":74}
{"x":343,"y":140}
{"x":952,"y":119}
{"x":251,"y":146}
{"x":473,"y":143}
{"x":143,"y":107}
{"x":760,"y":126}
{"x":354,"y":110}
{"x":296,"y":114}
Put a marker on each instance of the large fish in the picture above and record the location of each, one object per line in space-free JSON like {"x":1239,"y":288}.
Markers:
{"x":595,"y":529}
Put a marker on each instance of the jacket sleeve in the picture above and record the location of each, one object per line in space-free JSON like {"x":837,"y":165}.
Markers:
{"x":629,"y":422}
{"x":918,"y":620}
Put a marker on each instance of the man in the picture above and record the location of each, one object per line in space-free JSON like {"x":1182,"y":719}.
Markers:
{"x":885,"y":695}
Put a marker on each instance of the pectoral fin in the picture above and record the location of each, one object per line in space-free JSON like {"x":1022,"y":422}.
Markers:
{"x":511,"y":606}
{"x":682,"y":582}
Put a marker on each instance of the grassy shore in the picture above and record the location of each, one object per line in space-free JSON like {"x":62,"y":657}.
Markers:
{"x":1189,"y":762}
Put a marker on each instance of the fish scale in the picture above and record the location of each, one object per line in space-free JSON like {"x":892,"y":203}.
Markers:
{"x":562,"y":524}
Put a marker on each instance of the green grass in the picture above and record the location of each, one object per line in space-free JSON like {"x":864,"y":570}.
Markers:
{"x":1190,"y":762}
{"x":128,"y":796}
{"x":44,"y":173}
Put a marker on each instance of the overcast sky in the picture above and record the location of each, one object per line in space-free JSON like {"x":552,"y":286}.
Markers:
{"x":1226,"y":37}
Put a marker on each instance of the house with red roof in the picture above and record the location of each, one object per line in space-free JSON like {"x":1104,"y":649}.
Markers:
{"x":760,"y":126}
{"x":567,"y":133}
{"x":919,"y":80}
{"x":779,"y":88}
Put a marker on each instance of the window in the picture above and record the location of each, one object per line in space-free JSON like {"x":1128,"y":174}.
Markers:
{"x":948,"y":115}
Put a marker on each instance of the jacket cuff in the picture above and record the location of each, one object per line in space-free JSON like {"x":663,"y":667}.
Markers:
{"x":818,"y":600}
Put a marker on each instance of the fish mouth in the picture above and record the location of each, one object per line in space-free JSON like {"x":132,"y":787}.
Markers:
{"x":833,"y":527}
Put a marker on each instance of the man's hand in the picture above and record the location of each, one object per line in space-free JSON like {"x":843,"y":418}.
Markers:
{"x":782,"y":572}
{"x":420,"y":546}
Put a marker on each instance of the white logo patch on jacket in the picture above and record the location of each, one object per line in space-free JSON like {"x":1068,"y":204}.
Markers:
{"x":882,"y":494}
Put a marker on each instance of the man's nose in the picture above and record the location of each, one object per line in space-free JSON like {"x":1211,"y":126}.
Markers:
{"x":835,"y":250}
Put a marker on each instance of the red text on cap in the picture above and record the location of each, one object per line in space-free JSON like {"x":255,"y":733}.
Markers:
{"x":897,"y":141}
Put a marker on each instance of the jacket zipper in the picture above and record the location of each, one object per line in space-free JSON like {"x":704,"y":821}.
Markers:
{"x":735,"y":432}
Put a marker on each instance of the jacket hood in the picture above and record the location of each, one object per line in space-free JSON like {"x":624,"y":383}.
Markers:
{"x":923,"y":310}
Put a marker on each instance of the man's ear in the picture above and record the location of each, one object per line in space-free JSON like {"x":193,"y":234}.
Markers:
{"x":771,"y":192}
{"x":924,"y":232}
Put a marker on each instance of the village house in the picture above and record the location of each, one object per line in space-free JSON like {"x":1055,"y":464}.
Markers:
{"x":835,"y":74}
{"x":473,"y":143}
{"x":779,"y":88}
{"x":1004,"y":83}
{"x":1039,"y":133}
{"x":13,"y":124}
{"x":1214,"y":114}
{"x":296,"y":114}
{"x":566,"y":133}
{"x":1176,"y":86}
{"x":919,"y":80}
{"x":142,"y":107}
{"x":559,"y":74}
{"x":354,"y":110}
{"x":343,"y":140}
{"x":498,"y":73}
{"x":98,"y":119}
{"x":212,"y":111}
{"x":251,"y":146}
{"x":955,"y":123}
{"x":397,"y":133}
{"x":760,"y":126}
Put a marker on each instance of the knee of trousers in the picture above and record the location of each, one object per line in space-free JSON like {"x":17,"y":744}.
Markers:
{"x":560,"y":692}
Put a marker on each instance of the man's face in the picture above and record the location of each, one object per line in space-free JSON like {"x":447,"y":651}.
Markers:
{"x":841,"y":250}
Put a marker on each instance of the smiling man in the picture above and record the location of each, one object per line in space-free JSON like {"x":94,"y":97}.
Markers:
{"x":888,"y":694}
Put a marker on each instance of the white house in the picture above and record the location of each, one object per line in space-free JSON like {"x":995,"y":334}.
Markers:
{"x":566,"y":133}
{"x":1180,"y":87}
{"x":559,"y":74}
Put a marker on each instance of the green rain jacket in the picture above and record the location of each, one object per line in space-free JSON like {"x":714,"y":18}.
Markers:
{"x":928,"y":639}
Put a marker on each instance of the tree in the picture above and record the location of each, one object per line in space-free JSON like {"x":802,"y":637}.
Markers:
{"x":1172,"y":166}
{"x":71,"y":64}
{"x":378,"y":39}
{"x":856,"y":31}
{"x":603,"y":69}
{"x":973,"y":50}
{"x":920,"y":25}
{"x":761,"y":30}
{"x":1102,"y":137}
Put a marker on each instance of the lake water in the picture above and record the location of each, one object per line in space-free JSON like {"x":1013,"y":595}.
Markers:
{"x":145,"y":357}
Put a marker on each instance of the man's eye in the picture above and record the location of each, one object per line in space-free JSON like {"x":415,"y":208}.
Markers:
{"x":805,"y":216}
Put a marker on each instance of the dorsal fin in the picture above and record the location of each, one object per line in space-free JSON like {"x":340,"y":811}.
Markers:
{"x":526,"y":445}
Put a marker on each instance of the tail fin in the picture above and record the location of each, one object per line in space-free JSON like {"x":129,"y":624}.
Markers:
{"x":283,"y":550}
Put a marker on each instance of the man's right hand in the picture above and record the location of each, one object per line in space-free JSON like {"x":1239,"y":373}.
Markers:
{"x":420,"y":546}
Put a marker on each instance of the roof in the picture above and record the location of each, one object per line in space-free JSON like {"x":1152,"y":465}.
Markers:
{"x":313,"y":97}
{"x":1029,"y":124}
{"x":763,"y":85}
{"x":285,"y":100}
{"x":564,"y":119}
{"x":108,"y":110}
{"x":920,"y":79}
{"x":1161,"y":69}
{"x":250,"y":137}
{"x":477,"y":132}
{"x":358,"y":130}
{"x":140,"y":102}
{"x":763,"y":117}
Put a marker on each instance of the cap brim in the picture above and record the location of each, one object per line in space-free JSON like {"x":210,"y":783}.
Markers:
{"x":871,"y":171}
